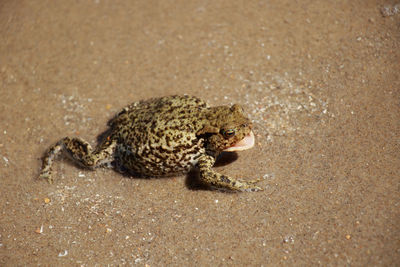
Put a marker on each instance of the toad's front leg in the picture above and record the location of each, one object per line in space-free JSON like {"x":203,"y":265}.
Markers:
{"x":215,"y":179}
{"x":80,"y":151}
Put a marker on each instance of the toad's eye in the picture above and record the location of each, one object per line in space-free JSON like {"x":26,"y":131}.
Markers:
{"x":228,"y":133}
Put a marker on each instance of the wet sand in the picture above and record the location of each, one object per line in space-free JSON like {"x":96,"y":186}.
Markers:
{"x":319,"y":79}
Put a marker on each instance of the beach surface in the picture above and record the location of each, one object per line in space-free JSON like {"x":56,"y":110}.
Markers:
{"x":319,"y":79}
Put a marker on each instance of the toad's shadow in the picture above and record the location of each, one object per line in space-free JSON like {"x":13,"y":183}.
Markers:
{"x":101,"y":137}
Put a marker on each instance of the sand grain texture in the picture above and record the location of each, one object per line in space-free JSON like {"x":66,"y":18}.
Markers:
{"x":320,"y":80}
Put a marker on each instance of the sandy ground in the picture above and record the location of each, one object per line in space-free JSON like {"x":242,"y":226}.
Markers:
{"x":320,"y":80}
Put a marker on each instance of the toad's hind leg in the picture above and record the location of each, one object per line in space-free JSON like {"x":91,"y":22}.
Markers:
{"x":221,"y":181}
{"x":80,"y":151}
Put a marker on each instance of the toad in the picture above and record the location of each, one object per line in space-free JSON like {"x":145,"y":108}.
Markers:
{"x":165,"y":136}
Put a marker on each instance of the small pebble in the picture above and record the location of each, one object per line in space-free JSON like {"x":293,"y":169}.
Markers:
{"x":39,"y":230}
{"x":63,"y":254}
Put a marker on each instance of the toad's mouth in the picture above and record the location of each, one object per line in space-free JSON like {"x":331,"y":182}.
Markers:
{"x":246,"y":143}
